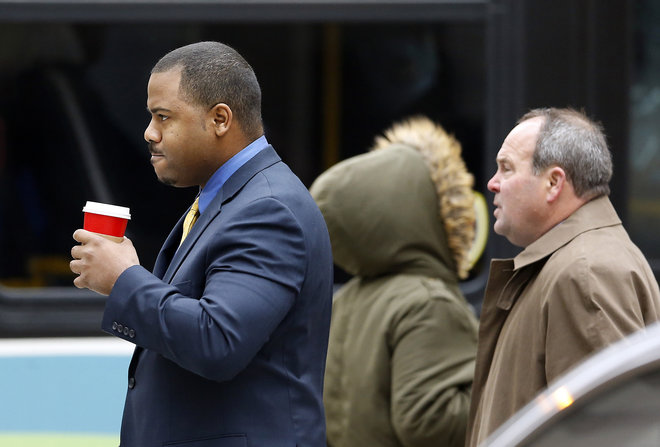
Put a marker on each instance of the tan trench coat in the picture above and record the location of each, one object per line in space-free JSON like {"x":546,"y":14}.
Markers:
{"x":578,"y":288}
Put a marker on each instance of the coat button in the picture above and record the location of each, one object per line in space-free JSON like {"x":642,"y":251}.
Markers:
{"x":114,"y":325}
{"x":120,"y":328}
{"x":131,"y":333}
{"x":125,"y":330}
{"x":131,"y":383}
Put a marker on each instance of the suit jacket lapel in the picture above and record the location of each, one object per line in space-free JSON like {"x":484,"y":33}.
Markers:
{"x":167,"y":251}
{"x":232,"y":186}
{"x":163,"y":267}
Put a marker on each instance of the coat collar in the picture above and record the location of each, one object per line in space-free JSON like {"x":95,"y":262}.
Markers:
{"x":508,"y":277}
{"x":597,"y":213}
{"x":265,"y":158}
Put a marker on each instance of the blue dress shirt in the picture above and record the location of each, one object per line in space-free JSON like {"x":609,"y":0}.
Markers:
{"x":227,"y":169}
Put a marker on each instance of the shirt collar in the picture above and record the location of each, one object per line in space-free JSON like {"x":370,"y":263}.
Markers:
{"x":225,"y":171}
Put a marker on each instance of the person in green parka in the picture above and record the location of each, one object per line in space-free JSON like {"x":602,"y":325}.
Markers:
{"x":403,"y":338}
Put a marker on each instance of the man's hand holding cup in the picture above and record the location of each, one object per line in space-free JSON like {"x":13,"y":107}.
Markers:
{"x":104,"y":252}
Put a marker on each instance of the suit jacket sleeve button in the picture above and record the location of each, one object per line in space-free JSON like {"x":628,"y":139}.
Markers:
{"x":114,"y":325}
{"x":120,"y":328}
{"x":125,"y":330}
{"x":131,"y":333}
{"x":131,"y":382}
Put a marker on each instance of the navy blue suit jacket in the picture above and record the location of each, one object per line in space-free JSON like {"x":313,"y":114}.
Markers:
{"x":232,"y":326}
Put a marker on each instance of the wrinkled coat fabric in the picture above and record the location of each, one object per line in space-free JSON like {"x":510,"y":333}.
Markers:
{"x":580,"y":287}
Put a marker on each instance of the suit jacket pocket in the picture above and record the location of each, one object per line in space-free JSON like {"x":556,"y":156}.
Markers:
{"x":237,"y":440}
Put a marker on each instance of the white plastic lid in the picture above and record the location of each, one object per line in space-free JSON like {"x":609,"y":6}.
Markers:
{"x":107,"y":210}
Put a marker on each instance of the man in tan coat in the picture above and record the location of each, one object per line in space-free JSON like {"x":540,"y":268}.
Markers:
{"x":579,"y":284}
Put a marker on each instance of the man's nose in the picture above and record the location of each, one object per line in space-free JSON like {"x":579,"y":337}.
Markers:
{"x":493,"y":184}
{"x":151,"y":133}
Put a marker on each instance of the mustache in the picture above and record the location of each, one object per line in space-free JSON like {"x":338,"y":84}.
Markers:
{"x":152,"y":150}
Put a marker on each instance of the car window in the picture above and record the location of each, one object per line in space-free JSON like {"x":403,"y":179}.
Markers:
{"x":624,"y":414}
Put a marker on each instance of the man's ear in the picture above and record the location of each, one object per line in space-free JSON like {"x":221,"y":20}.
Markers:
{"x":556,"y":182}
{"x":222,"y":118}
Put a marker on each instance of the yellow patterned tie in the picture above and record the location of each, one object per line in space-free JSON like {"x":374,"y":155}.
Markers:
{"x":190,"y":219}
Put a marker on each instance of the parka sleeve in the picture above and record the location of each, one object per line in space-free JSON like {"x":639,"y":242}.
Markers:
{"x":433,"y":357}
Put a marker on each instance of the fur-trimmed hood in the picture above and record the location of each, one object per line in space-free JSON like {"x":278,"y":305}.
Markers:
{"x":404,"y":207}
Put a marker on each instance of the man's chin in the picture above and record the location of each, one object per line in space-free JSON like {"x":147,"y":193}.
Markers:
{"x":170,"y":181}
{"x":166,"y":180}
{"x":498,"y":228}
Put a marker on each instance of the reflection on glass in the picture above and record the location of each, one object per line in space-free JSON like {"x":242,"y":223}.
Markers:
{"x":624,"y":415}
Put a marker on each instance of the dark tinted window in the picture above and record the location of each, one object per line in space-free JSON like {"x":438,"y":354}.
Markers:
{"x":644,"y":155}
{"x":73,"y":96}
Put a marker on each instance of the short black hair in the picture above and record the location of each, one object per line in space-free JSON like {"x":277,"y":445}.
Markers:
{"x":213,"y":73}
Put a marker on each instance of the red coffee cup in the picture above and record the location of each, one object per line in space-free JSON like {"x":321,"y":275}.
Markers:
{"x":107,"y":220}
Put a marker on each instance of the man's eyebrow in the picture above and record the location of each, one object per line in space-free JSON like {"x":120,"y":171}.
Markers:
{"x":158,"y":110}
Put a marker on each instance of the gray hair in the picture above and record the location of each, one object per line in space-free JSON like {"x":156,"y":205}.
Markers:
{"x":572,"y":141}
{"x":213,"y":73}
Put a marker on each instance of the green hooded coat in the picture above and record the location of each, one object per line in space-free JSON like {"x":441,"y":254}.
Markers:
{"x":403,"y":339}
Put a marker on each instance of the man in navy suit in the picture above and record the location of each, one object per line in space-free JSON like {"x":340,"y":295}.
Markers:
{"x":231,"y":327}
